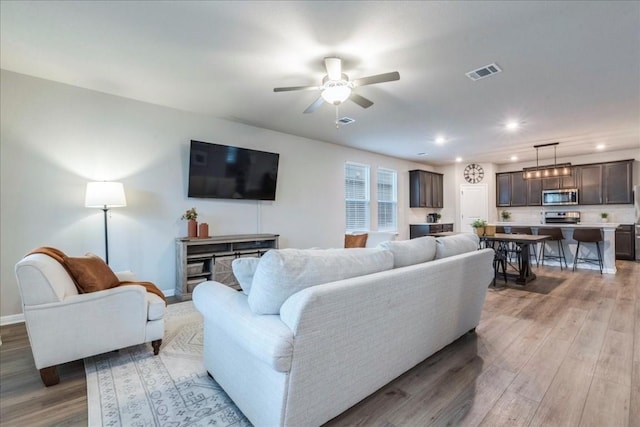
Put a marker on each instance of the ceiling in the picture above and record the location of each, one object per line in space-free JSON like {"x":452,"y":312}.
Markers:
{"x":571,"y":70}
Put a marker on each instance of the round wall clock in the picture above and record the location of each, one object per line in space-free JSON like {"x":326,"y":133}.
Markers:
{"x":473,"y":173}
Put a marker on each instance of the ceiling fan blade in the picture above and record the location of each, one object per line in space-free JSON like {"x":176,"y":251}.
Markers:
{"x":313,"y":107}
{"x":360,"y":100}
{"x":287,"y":89}
{"x":378,"y":78}
{"x":334,"y":68}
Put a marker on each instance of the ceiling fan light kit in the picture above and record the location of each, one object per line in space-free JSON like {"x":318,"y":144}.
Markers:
{"x":549,"y":171}
{"x":336,"y":87}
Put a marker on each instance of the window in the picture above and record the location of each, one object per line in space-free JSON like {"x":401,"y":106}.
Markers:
{"x":387,"y":200}
{"x":356,"y":190}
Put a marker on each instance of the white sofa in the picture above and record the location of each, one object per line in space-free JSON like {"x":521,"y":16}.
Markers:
{"x":332,"y":344}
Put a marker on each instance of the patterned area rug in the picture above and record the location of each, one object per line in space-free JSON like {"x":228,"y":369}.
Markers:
{"x":133,"y":388}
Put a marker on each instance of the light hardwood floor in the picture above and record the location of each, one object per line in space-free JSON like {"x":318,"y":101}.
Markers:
{"x":564,"y":351}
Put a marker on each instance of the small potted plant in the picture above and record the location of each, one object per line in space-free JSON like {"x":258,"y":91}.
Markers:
{"x":479,"y":225}
{"x":505,"y":215}
{"x":438,"y":216}
{"x":604,"y":217}
{"x":191,"y":215}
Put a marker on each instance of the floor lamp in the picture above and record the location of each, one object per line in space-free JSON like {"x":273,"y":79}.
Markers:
{"x":105,"y":195}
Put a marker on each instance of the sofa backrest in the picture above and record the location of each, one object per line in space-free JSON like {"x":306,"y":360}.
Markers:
{"x":409,"y":252}
{"x":283,"y":272}
{"x":42,"y":280}
{"x":456,"y":244}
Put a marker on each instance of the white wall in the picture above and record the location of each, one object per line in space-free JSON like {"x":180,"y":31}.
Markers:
{"x":55,"y":138}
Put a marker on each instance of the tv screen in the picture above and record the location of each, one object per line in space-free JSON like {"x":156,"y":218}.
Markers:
{"x":225,"y":172}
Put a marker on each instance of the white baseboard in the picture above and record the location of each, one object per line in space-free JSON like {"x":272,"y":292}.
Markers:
{"x":11,"y":319}
{"x":19,"y":318}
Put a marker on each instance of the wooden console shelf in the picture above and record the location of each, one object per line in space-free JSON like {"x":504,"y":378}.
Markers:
{"x":199,"y":260}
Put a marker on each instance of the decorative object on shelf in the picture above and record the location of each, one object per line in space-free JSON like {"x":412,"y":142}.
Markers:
{"x":479,"y":226}
{"x":505,"y":215}
{"x":105,"y":195}
{"x":192,"y":227}
{"x":604,"y":217}
{"x":473,"y":173}
{"x":203,"y":230}
{"x":549,"y":171}
{"x":438,"y":216}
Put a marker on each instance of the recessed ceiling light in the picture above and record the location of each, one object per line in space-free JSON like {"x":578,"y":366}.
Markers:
{"x":600,"y":146}
{"x":512,"y":125}
{"x":440,"y":139}
{"x":458,"y":159}
{"x":422,"y":154}
{"x":514,"y":158}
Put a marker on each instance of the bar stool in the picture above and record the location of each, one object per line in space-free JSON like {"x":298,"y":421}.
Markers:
{"x":588,"y":235}
{"x":555,"y":235}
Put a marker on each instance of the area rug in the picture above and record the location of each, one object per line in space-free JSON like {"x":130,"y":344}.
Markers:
{"x":131,"y":387}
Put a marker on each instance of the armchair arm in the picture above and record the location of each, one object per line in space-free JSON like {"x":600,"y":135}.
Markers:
{"x":227,"y":314}
{"x":86,"y":324}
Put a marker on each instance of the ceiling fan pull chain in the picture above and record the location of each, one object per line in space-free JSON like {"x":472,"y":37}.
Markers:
{"x":337,"y":116}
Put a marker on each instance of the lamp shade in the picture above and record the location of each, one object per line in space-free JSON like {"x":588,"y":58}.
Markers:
{"x":105,"y":195}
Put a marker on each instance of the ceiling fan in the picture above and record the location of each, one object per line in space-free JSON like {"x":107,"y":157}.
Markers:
{"x":337,"y":88}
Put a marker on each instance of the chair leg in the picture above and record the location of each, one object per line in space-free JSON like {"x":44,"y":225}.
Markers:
{"x":156,"y":346}
{"x":600,"y":263}
{"x":575,"y":259}
{"x":564,"y":255}
{"x":49,"y":376}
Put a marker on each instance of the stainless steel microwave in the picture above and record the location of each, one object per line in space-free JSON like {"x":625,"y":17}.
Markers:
{"x":560,"y":197}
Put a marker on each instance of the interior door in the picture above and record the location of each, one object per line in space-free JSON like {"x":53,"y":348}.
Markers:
{"x":474,"y":204}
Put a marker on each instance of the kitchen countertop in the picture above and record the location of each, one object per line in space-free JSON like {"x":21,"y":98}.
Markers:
{"x":603,"y":225}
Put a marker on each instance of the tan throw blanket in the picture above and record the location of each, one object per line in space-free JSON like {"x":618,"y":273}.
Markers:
{"x":92,"y":269}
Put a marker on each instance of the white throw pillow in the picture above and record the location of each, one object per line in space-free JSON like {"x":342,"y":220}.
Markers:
{"x":410,"y":252}
{"x":283,"y":272}
{"x":244,"y":269}
{"x":457,"y":244}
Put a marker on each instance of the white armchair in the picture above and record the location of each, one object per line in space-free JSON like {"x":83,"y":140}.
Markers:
{"x":64,"y":325}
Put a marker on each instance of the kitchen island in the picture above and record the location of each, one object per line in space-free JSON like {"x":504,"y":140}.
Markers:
{"x":608,"y":247}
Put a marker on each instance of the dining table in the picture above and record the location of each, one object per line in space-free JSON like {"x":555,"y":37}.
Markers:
{"x":523,"y":243}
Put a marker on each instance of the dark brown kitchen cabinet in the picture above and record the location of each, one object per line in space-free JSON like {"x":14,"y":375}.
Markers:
{"x":617,"y":182}
{"x":425,"y":189}
{"x":518,"y":190}
{"x":590,"y":184}
{"x":625,"y":242}
{"x":534,"y":192}
{"x":513,"y":190}
{"x":420,"y":230}
{"x":564,"y":182}
{"x":503,"y":189}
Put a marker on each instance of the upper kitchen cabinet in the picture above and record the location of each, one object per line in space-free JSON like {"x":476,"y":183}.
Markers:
{"x":511,"y":189}
{"x":590,"y":184}
{"x":606,"y":183}
{"x":425,"y":189}
{"x":618,"y":182}
{"x":503,"y":189}
{"x":563,"y":182}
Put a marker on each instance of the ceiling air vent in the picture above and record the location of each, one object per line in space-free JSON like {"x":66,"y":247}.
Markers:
{"x":346,"y":120}
{"x":486,"y":71}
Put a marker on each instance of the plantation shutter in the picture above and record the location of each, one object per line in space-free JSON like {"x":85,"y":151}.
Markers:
{"x":387,"y":200}
{"x":356,"y":189}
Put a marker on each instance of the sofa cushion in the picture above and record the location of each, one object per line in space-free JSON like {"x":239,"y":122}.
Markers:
{"x":456,"y":244}
{"x":409,"y":252}
{"x":91,"y":273}
{"x":244,"y":269}
{"x":355,"y":240}
{"x":283,"y":272}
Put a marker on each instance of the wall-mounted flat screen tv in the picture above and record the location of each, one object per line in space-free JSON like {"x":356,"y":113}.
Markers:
{"x":226,"y":172}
